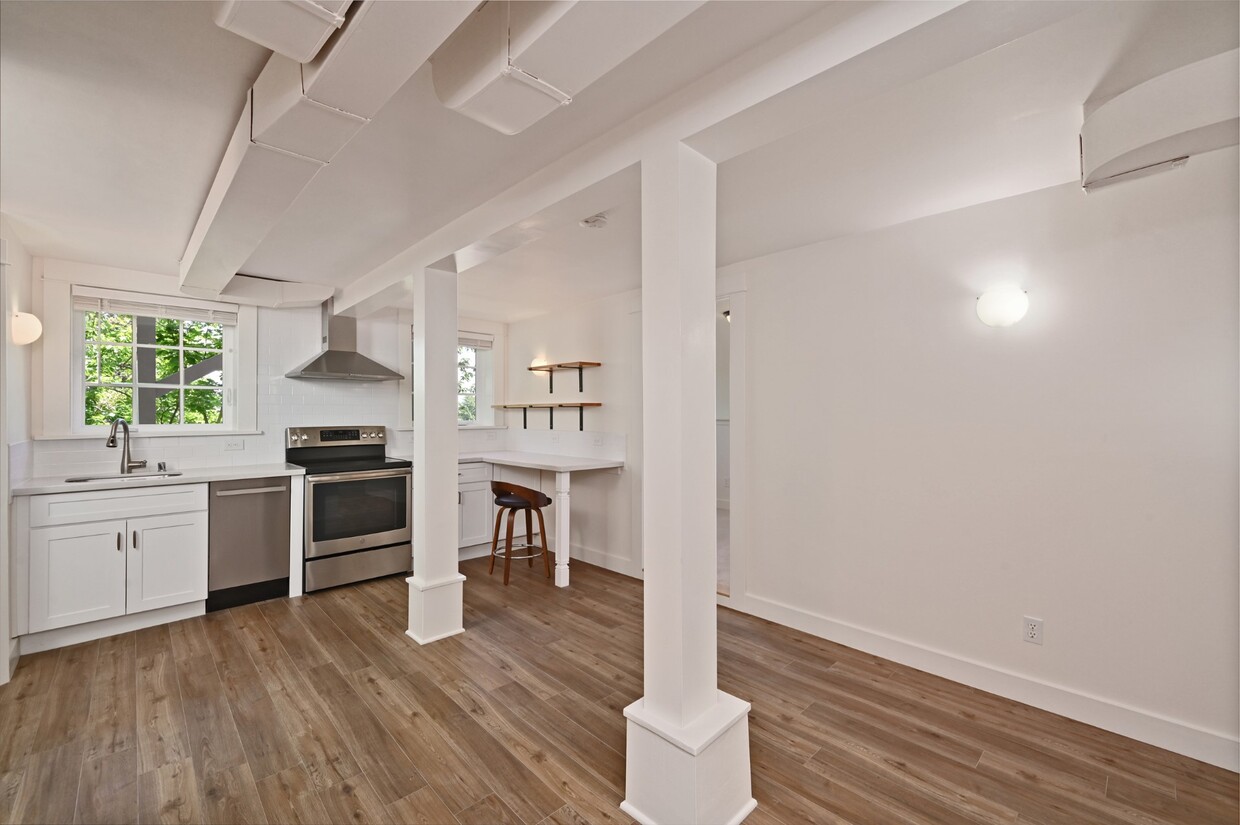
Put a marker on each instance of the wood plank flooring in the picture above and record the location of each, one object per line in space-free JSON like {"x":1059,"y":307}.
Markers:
{"x":320,"y":710}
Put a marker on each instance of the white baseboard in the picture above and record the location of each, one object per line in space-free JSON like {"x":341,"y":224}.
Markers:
{"x":75,"y":634}
{"x":604,"y":560}
{"x":1215,"y":747}
{"x":12,"y":660}
{"x":478,"y":551}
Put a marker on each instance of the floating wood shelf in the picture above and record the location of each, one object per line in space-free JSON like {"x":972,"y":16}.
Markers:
{"x":551,"y":369}
{"x":580,"y":406}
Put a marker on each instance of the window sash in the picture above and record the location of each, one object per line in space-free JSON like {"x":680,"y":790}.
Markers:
{"x":228,"y":368}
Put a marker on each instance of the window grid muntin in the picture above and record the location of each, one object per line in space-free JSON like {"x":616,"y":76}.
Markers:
{"x":134,"y":386}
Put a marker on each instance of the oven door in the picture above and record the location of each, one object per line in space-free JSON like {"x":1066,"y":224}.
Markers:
{"x":353,"y":511}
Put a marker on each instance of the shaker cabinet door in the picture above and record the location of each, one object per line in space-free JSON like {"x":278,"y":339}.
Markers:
{"x":77,"y":574}
{"x":167,"y":561}
{"x":476,"y":513}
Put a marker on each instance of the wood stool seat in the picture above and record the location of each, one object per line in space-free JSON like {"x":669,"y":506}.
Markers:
{"x":514,"y":498}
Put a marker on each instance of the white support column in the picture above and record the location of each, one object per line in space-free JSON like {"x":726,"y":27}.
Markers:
{"x":687,"y":759}
{"x":436,"y":591}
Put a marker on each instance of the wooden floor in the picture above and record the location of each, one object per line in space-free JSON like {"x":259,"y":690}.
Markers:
{"x":320,"y":710}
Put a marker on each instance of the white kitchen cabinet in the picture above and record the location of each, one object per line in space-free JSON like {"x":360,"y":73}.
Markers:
{"x":77,"y":574}
{"x":82,"y":570}
{"x":167,"y":561}
{"x":476,"y":512}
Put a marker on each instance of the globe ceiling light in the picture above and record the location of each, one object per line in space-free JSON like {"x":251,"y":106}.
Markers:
{"x":1002,"y":307}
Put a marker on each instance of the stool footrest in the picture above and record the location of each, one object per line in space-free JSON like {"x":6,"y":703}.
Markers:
{"x":499,"y":551}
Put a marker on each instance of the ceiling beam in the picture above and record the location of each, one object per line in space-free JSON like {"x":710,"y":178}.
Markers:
{"x":297,"y":118}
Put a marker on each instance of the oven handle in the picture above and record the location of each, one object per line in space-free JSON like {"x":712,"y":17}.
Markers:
{"x":317,"y":479}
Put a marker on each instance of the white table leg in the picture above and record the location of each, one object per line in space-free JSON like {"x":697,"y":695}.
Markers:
{"x":563,"y":541}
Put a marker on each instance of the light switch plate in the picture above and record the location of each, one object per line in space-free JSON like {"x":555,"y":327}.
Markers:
{"x":234,"y":444}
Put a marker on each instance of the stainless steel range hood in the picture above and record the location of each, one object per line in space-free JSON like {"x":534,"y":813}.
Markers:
{"x":340,"y":359}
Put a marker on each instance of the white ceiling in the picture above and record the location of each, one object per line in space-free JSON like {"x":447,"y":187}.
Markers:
{"x":565,"y":264}
{"x":113,"y":120}
{"x":114,"y":116}
{"x":1000,"y":124}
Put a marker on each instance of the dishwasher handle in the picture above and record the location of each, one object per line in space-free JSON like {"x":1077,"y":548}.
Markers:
{"x":250,"y":491}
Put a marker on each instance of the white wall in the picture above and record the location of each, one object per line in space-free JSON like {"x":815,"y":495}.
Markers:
{"x":15,"y":415}
{"x":286,"y":338}
{"x":922,"y":481}
{"x":605,"y":504}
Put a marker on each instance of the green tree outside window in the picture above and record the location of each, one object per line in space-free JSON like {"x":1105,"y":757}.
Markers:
{"x":152,"y":370}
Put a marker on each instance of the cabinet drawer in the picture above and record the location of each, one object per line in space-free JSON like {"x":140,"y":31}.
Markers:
{"x":71,"y":508}
{"x":474,"y":471}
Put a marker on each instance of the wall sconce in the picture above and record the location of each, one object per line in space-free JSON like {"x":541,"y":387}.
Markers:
{"x":26,"y":328}
{"x":1002,"y":307}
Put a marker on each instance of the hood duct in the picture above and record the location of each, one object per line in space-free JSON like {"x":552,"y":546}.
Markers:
{"x":510,"y":64}
{"x":340,"y":359}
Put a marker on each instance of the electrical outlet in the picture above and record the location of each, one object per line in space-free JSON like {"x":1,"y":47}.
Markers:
{"x":233,"y":444}
{"x":1031,"y":630}
{"x":555,"y":438}
{"x":598,"y":441}
{"x":727,"y":482}
{"x":490,"y":435}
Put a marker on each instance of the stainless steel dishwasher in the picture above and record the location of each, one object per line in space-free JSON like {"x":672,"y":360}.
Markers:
{"x":248,"y":541}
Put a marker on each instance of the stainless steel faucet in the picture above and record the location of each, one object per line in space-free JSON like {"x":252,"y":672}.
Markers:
{"x":127,"y":466}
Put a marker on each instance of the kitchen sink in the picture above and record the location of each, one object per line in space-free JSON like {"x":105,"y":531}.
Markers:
{"x":120,"y":477}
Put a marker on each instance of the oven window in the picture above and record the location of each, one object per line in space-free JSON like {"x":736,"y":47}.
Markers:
{"x":344,"y":509}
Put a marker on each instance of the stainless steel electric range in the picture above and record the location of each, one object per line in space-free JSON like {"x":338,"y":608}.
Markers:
{"x":359,"y":504}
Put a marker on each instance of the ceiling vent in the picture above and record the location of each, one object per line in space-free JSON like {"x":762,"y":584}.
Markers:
{"x":1160,"y":123}
{"x":513,"y":63}
{"x":296,"y":29}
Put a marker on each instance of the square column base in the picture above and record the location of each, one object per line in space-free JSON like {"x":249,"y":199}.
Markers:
{"x":694,"y":775}
{"x":436,"y":609}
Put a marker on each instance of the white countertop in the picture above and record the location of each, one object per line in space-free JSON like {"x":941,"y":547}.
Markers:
{"x":544,"y":461}
{"x":200,"y":475}
{"x":196,"y":475}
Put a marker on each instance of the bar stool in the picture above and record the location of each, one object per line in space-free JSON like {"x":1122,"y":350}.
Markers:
{"x":513,"y":497}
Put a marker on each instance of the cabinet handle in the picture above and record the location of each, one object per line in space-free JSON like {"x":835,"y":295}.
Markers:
{"x":135,"y":539}
{"x":118,"y":542}
{"x":458,"y":496}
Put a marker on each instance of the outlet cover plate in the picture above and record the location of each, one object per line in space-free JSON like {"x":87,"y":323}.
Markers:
{"x":1031,"y":630}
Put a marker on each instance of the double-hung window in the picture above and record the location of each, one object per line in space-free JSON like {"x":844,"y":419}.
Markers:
{"x":162,"y":366}
{"x":475,"y":378}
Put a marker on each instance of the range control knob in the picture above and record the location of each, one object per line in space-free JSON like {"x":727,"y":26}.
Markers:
{"x":365,"y":435}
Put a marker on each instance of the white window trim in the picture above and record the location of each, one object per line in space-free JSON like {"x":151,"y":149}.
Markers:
{"x":56,"y":380}
{"x":467,"y":328}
